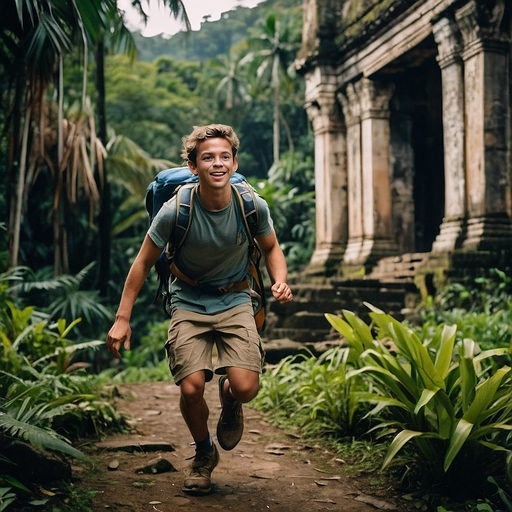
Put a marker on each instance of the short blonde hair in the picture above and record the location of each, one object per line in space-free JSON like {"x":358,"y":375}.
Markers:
{"x":210,"y":131}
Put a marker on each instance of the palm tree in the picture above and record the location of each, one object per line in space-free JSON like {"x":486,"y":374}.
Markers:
{"x":35,"y":35}
{"x":105,"y":218}
{"x":233,"y":87}
{"x":273,"y":56}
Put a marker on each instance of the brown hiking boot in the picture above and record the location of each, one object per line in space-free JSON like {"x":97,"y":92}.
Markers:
{"x":231,"y":421}
{"x":199,"y":481}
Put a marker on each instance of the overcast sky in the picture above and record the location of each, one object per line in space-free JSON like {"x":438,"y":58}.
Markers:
{"x":161,"y":22}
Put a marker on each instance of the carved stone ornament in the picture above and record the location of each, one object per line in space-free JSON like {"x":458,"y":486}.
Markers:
{"x":448,"y":38}
{"x":480,"y":21}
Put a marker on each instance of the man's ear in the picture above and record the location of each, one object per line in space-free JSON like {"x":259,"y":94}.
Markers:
{"x":235,"y":163}
{"x":192,"y":167}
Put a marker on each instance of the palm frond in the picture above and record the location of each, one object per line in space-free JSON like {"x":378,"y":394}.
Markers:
{"x":38,"y":437}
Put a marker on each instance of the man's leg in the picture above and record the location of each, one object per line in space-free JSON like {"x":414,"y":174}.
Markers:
{"x":239,"y":386}
{"x":195,"y":412}
{"x":193,"y":406}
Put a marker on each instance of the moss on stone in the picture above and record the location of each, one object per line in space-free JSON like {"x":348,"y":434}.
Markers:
{"x":361,"y":17}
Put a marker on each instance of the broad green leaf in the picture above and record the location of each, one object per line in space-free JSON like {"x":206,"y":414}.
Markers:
{"x":373,"y":308}
{"x":397,"y":368}
{"x":485,"y":394}
{"x":468,"y":377}
{"x":384,"y":377}
{"x":64,"y":331}
{"x":461,"y":433}
{"x":418,"y":356}
{"x":361,"y":330}
{"x":401,"y":439}
{"x":425,"y":398}
{"x":341,"y":326}
{"x":492,"y":353}
{"x":382,"y":401}
{"x":444,"y":355}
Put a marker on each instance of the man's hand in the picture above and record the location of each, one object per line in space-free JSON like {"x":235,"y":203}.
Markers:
{"x":120,"y":334}
{"x":282,"y":292}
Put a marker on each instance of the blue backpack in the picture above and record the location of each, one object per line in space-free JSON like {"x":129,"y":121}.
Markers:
{"x":180,"y":182}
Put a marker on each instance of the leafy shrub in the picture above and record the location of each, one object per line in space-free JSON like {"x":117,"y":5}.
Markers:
{"x":146,"y":361}
{"x":313,"y":393}
{"x":451,"y":400}
{"x":46,"y":397}
{"x":482,"y":310}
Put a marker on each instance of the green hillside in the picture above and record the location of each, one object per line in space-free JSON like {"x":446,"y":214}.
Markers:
{"x":213,"y":38}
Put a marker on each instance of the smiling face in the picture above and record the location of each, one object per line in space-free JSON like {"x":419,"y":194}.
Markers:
{"x":214,"y":163}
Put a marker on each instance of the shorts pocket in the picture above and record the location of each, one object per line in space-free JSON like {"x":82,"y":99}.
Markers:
{"x":170,"y":348}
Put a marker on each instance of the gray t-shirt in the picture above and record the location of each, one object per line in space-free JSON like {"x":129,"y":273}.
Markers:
{"x":215,"y":253}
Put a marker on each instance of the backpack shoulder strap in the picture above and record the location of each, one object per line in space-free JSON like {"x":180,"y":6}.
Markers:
{"x":184,"y":205}
{"x":248,"y":203}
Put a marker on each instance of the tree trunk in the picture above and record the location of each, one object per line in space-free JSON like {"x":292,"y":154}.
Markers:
{"x":104,"y":219}
{"x":17,"y":199}
{"x":275,"y":82}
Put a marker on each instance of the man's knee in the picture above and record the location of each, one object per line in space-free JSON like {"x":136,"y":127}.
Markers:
{"x":244,"y":390}
{"x":192,"y":387}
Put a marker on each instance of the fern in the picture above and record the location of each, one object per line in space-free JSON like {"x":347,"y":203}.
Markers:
{"x":38,"y":437}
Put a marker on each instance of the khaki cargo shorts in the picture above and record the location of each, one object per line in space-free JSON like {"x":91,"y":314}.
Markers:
{"x":192,"y":337}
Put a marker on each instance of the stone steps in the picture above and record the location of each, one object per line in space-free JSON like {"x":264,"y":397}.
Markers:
{"x":399,"y":268}
{"x":303,"y":320}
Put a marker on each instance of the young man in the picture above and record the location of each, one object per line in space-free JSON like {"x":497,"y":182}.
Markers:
{"x":214,"y":253}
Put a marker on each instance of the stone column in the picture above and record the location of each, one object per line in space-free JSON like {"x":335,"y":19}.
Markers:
{"x":448,"y":39}
{"x":366,"y":106}
{"x":330,"y":172}
{"x":378,"y":239}
{"x":350,"y":100}
{"x":487,"y":109}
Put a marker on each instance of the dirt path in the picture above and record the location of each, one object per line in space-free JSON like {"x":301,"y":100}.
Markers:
{"x":268,"y":471}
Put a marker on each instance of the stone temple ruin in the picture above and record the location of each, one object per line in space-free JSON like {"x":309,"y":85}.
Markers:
{"x":410,"y":105}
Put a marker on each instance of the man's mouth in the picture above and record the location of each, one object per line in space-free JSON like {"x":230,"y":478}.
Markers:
{"x":218,"y":173}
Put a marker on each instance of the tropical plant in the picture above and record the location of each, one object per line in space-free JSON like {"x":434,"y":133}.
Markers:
{"x":273,"y":53}
{"x":313,"y":393}
{"x":481,"y":309}
{"x":6,"y":497}
{"x":36,"y":34}
{"x":452,"y":401}
{"x":146,"y":361}
{"x":289,"y":192}
{"x":132,"y":169}
{"x":65,"y":296}
{"x":232,"y":89}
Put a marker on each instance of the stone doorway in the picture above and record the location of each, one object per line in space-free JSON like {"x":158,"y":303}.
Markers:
{"x":417,"y":161}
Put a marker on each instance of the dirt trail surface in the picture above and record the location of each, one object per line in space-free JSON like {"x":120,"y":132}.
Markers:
{"x":268,"y":471}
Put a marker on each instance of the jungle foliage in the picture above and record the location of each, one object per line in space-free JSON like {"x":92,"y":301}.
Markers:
{"x":436,"y":394}
{"x":50,"y":396}
{"x":70,"y":219}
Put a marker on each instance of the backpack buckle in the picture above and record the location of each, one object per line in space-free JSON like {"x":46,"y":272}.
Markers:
{"x":223,"y":289}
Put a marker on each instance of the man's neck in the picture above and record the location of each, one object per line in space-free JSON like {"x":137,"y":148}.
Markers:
{"x":215,"y":199}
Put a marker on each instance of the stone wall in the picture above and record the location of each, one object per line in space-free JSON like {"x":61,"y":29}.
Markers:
{"x":410,"y":104}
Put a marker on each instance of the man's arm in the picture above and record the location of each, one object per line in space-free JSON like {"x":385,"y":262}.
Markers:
{"x":120,"y":332}
{"x":276,"y":266}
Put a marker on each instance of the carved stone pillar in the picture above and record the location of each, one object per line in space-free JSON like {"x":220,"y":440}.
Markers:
{"x":366,"y":105}
{"x":448,"y":39}
{"x":487,"y":111}
{"x":352,"y":111}
{"x":330,"y":172}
